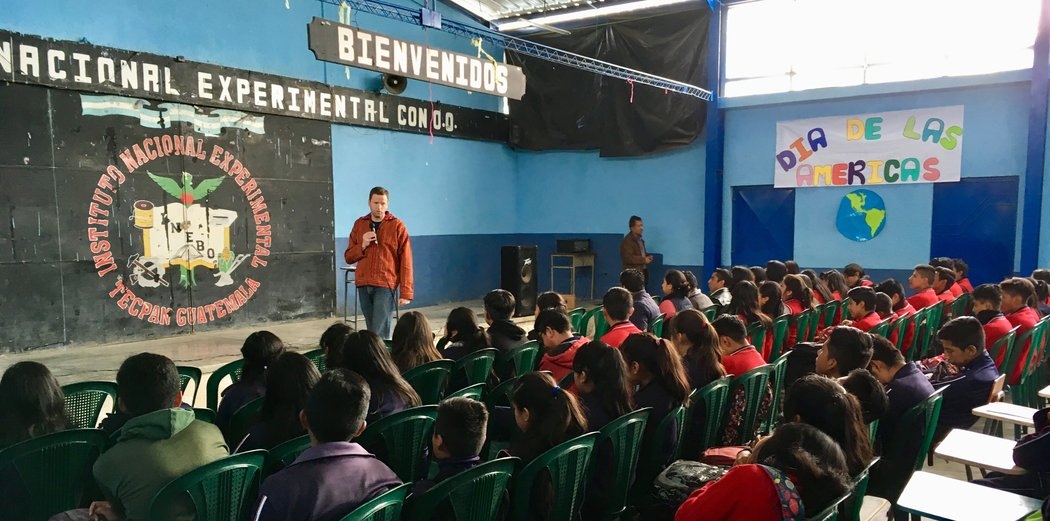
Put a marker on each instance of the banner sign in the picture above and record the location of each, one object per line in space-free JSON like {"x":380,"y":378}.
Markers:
{"x":85,"y":67}
{"x":348,"y":45}
{"x":885,"y":148}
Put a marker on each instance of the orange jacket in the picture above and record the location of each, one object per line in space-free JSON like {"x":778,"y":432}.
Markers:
{"x":387,"y":264}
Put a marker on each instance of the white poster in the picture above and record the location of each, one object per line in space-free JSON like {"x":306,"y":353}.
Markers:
{"x":883,"y":148}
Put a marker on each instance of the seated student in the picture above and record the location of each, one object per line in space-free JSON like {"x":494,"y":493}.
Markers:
{"x":826,"y":405}
{"x":1019,"y":306}
{"x":676,"y":294}
{"x":738,"y":357}
{"x":260,"y":349}
{"x":1043,"y":275}
{"x":332,"y":341}
{"x":862,"y":309}
{"x":1042,"y":295}
{"x":901,"y":307}
{"x":745,"y":305}
{"x":459,"y":434}
{"x":793,"y":474}
{"x":740,"y":274}
{"x":948,"y":264}
{"x":776,"y":271}
{"x":847,"y":348}
{"x":696,"y":297}
{"x":760,"y":274}
{"x":504,"y":334}
{"x":288,"y":383}
{"x":600,"y":377}
{"x":963,"y":342}
{"x":987,"y":300}
{"x":335,"y":475}
{"x":646,"y":310}
{"x":655,"y":370}
{"x":869,"y":392}
{"x":771,"y":299}
{"x":546,"y":414}
{"x":798,"y":298}
{"x":943,"y":282}
{"x":792,"y":267}
{"x":821,"y":293}
{"x":884,"y":306}
{"x":1032,"y":453}
{"x":697,"y":342}
{"x":33,"y":404}
{"x":412,"y":343}
{"x":558,"y":343}
{"x":463,"y":334}
{"x":962,"y":270}
{"x":617,"y":307}
{"x":365,"y":354}
{"x":855,"y":276}
{"x":836,"y":283}
{"x":905,"y":385}
{"x":718,"y":286}
{"x":549,"y":300}
{"x":921,"y":281}
{"x":160,"y":442}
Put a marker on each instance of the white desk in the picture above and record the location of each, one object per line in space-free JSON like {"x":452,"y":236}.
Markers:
{"x":947,"y":499}
{"x":1006,"y":413}
{"x":1044,"y":392}
{"x":979,"y":450}
{"x":572,"y":261}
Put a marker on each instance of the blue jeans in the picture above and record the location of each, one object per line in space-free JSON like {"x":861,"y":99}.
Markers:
{"x":377,"y":305}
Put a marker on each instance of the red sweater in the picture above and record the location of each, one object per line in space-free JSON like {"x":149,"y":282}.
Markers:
{"x":867,"y":322}
{"x":560,"y":364}
{"x":909,"y":330}
{"x":794,"y":307}
{"x":964,"y":283}
{"x":742,"y":361}
{"x":993,"y":331}
{"x":1024,"y":319}
{"x":745,"y":492}
{"x":956,"y":289}
{"x":946,"y":296}
{"x":619,"y":332}
{"x":923,"y":299}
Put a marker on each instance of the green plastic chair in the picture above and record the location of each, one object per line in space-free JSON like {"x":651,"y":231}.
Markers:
{"x":84,"y":402}
{"x":284,"y":454}
{"x":777,"y":372}
{"x":830,"y":310}
{"x":567,"y":465}
{"x":204,"y":414}
{"x":711,"y":401}
{"x":896,"y":331}
{"x":429,"y":380}
{"x":1025,"y":391}
{"x":831,"y":512}
{"x":223,"y":490}
{"x":389,"y":343}
{"x":961,"y":305}
{"x":755,"y":384}
{"x":918,"y":345}
{"x":600,"y":326}
{"x":656,"y":327}
{"x":813,"y":326}
{"x":651,"y":456}
{"x":881,"y":329}
{"x":873,"y":430}
{"x":844,"y":307}
{"x":757,"y":333}
{"x":189,"y":374}
{"x":518,"y":361}
{"x":232,"y":370}
{"x":475,"y":367}
{"x":711,"y":312}
{"x":242,"y":420}
{"x":53,"y":471}
{"x":384,"y":507}
{"x":473,"y":495}
{"x":401,"y":438}
{"x":499,"y":396}
{"x":922,"y":418}
{"x":474,"y":392}
{"x":780,"y":328}
{"x":801,"y":322}
{"x":317,"y":357}
{"x":1003,"y":349}
{"x":576,"y":317}
{"x":625,"y":436}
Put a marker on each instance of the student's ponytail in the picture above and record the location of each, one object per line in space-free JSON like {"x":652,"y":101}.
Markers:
{"x":799,"y":290}
{"x":660,"y":359}
{"x":555,"y":414}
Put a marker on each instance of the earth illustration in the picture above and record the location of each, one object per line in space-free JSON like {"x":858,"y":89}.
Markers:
{"x":861,"y":216}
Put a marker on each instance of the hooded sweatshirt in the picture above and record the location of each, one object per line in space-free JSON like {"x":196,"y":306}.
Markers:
{"x":153,"y":449}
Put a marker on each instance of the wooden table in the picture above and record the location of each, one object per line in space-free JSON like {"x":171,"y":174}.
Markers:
{"x":1006,"y":413}
{"x":978,"y":450}
{"x":1044,"y":392}
{"x":937,"y":497}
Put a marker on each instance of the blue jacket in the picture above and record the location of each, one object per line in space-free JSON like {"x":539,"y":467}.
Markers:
{"x":908,"y":387}
{"x":969,"y":388}
{"x":645,"y":309}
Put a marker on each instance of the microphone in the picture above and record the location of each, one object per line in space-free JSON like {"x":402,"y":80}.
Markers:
{"x":375,"y":226}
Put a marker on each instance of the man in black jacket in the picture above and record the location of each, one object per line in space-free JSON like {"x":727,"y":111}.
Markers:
{"x":504,"y":334}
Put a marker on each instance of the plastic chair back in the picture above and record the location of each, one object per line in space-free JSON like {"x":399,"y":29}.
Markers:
{"x":317,"y":357}
{"x":711,"y":312}
{"x":780,"y":328}
{"x":814,"y":324}
{"x":755,"y":384}
{"x":517,"y":361}
{"x":475,"y":366}
{"x":896,"y":331}
{"x":429,"y":380}
{"x":84,"y":402}
{"x":711,"y":400}
{"x":625,"y":436}
{"x":881,"y":329}
{"x":223,"y":490}
{"x":473,"y":495}
{"x":802,"y":321}
{"x":567,"y":465}
{"x":576,"y":318}
{"x":777,"y":373}
{"x":284,"y":454}
{"x":830,"y":513}
{"x":53,"y":471}
{"x":242,"y":420}
{"x":233,"y":370}
{"x":961,"y":305}
{"x":384,"y":507}
{"x":189,"y":374}
{"x":204,"y":414}
{"x":474,"y":392}
{"x":849,"y":509}
{"x":656,"y":327}
{"x":830,"y":310}
{"x":401,"y":438}
{"x":499,"y":396}
{"x":1003,"y":350}
{"x":844,"y":308}
{"x":756,"y":332}
{"x":915,"y":350}
{"x":600,"y":326}
{"x":922,"y":418}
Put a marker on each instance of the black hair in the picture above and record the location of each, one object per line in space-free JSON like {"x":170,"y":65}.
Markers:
{"x":632,"y":279}
{"x":499,"y":304}
{"x":555,"y":415}
{"x":963,"y":332}
{"x":835,"y":282}
{"x":148,"y":382}
{"x":774,"y":306}
{"x":551,"y":300}
{"x":824,"y":404}
{"x":332,"y":341}
{"x":884,"y":351}
{"x":942,"y":262}
{"x":1020,"y":287}
{"x":605,"y":367}
{"x":759,"y":273}
{"x":926,"y":271}
{"x":412,"y":344}
{"x":990,"y":293}
{"x":678,"y":283}
{"x":288,"y":384}
{"x":555,"y":320}
{"x":378,"y":190}
{"x":1042,"y":289}
{"x":618,"y":302}
{"x":947,"y":275}
{"x":690,"y":279}
{"x":853,"y":270}
{"x":863,"y":295}
{"x":799,"y":290}
{"x":469,"y":334}
{"x":883,"y":305}
{"x":850,"y":347}
{"x":731,"y":327}
{"x":336,"y":407}
{"x":740,"y":274}
{"x":792,"y":267}
{"x":744,"y":301}
{"x":33,"y":403}
{"x":869,"y":393}
{"x":661,"y":360}
{"x":961,"y":266}
{"x":723,"y":275}
{"x":776,"y":270}
{"x":891,"y":287}
{"x":818,"y":285}
{"x":703,"y":360}
{"x":260,"y":350}
{"x":1042,"y":274}
{"x":461,"y":423}
{"x":367,"y":355}
{"x":813,"y":460}
{"x":634,"y":219}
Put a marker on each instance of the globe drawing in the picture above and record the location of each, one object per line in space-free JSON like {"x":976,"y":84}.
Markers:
{"x":861,"y":216}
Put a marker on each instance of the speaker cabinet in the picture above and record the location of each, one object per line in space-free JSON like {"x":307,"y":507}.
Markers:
{"x":518,"y":276}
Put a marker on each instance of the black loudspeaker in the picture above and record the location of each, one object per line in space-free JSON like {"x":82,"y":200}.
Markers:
{"x":518,"y":276}
{"x":394,"y":84}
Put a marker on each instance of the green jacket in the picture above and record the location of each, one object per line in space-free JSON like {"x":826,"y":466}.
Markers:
{"x":152,"y":450}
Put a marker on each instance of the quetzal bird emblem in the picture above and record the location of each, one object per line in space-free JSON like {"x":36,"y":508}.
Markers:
{"x":187,"y":194}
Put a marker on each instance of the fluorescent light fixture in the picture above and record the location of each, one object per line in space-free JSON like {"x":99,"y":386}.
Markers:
{"x":590,"y":13}
{"x":545,"y":27}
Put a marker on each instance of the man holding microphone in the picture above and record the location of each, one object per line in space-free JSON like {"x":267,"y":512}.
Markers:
{"x":380,"y":246}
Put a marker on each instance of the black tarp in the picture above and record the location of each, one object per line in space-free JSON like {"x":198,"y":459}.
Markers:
{"x":568,"y":109}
